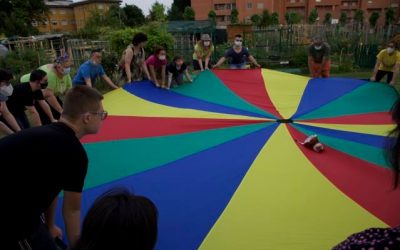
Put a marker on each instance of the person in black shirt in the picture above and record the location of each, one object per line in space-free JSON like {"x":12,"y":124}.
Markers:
{"x":24,"y":97}
{"x":175,"y":71}
{"x":237,"y":56}
{"x":42,"y":162}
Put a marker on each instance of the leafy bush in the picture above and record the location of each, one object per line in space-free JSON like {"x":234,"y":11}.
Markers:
{"x":157,"y":36}
{"x":24,"y":61}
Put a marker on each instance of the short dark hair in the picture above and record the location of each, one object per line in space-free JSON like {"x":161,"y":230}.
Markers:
{"x":139,"y":38}
{"x":5,"y":75}
{"x":394,"y":43}
{"x":37,"y":75}
{"x":238,"y":35}
{"x":81,"y":99}
{"x":95,"y":51}
{"x":178,"y":57}
{"x":119,"y":220}
{"x":158,"y":50}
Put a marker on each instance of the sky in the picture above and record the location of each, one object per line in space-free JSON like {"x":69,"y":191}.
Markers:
{"x":146,"y":4}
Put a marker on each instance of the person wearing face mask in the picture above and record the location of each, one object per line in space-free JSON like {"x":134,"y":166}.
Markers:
{"x":132,"y":66}
{"x":319,"y":62}
{"x":59,"y":80}
{"x":237,"y":55}
{"x":157,"y":64}
{"x":175,"y":71}
{"x":202,"y":53}
{"x":6,"y":90}
{"x":387,"y":63}
{"x":90,"y":70}
{"x":25,"y":96}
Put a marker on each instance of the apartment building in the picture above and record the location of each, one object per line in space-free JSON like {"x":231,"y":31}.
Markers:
{"x":67,"y":15}
{"x":247,"y":8}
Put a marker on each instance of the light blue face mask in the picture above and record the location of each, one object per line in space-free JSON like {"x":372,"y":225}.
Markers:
{"x":67,"y":71}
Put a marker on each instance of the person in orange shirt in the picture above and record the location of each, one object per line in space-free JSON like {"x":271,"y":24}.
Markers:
{"x":319,"y":62}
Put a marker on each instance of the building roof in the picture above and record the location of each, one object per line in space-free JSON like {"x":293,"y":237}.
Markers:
{"x":190,"y":26}
{"x":56,"y":3}
{"x":82,"y":2}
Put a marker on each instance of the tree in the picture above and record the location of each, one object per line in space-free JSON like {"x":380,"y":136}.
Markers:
{"x":174,"y":14}
{"x":313,"y":17}
{"x":17,"y":16}
{"x":373,"y":19}
{"x":292,"y":17}
{"x":114,"y":17}
{"x":234,"y":16}
{"x":189,"y":13}
{"x":359,"y":17}
{"x":134,"y":15}
{"x":157,"y":12}
{"x":265,"y":18}
{"x":212,"y":16}
{"x":177,"y":9}
{"x":328,"y":18}
{"x":255,"y":20}
{"x":343,"y":19}
{"x":275,"y":18}
{"x":390,"y":16}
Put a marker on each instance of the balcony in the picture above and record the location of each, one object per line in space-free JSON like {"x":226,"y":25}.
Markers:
{"x":295,"y":3}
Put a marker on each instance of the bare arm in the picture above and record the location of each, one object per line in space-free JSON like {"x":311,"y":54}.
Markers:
{"x":153,"y":74}
{"x":254,"y":61}
{"x":207,"y":59}
{"x":200,"y":59}
{"x":395,"y":73}
{"x":188,"y":76}
{"x":72,"y":214}
{"x":109,"y":82}
{"x":49,"y":216}
{"x":52,"y":100}
{"x":146,"y":71}
{"x":88,"y":82}
{"x":376,"y":68}
{"x":169,"y":79}
{"x":310,"y":60}
{"x":128,"y":61}
{"x":9,"y":117}
{"x":46,"y":108}
{"x":220,"y":61}
{"x":34,"y":115}
{"x":163,"y":74}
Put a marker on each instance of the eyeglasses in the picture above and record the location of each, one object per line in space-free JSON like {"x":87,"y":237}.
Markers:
{"x":103,"y":114}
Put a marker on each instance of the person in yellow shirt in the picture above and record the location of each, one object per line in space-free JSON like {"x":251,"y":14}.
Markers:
{"x":202,"y":53}
{"x":387,"y":63}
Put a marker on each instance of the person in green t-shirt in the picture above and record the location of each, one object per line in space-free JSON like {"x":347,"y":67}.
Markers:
{"x":59,"y":81}
{"x":387,"y":63}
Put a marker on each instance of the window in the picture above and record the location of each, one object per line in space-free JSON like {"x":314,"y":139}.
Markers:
{"x":63,"y":12}
{"x":100,"y":6}
{"x":318,"y":1}
{"x":345,"y":3}
{"x":53,"y":22}
{"x":369,"y":1}
{"x":64,"y":22}
{"x":54,"y":12}
{"x":260,"y":6}
{"x":219,"y":6}
{"x":292,"y":1}
{"x":249,"y":5}
{"x":227,"y":18}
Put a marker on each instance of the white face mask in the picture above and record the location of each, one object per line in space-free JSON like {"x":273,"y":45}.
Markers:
{"x":390,"y":50}
{"x":238,"y":43}
{"x":6,"y":90}
{"x":67,"y":71}
{"x":207,"y":43}
{"x":318,"y":47}
{"x":162,"y":58}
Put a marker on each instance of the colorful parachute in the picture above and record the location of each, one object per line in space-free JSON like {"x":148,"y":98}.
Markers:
{"x":220,"y":160}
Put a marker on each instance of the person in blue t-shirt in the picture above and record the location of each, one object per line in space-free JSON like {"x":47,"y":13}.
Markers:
{"x":237,"y":56}
{"x":90,"y":70}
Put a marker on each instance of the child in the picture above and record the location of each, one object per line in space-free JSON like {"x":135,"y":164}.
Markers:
{"x":175,"y":71}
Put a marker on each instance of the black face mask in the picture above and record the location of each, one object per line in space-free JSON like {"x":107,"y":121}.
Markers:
{"x":44,"y":85}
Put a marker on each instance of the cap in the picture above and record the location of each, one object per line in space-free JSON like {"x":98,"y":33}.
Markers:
{"x":205,"y":37}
